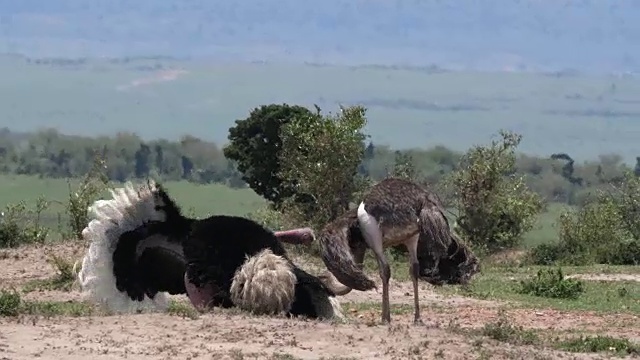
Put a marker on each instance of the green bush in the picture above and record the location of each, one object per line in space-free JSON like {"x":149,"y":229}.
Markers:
{"x":551,"y":283}
{"x":602,"y":232}
{"x":79,"y":200}
{"x":594,"y":344}
{"x":20,"y":225}
{"x":546,"y":254}
{"x":321,"y":155}
{"x":623,"y":253}
{"x":495,"y":206}
{"x":10,"y":303}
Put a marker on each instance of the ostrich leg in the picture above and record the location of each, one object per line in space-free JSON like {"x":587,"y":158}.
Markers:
{"x":385,"y":274}
{"x":412,"y":248}
{"x":373,"y":237}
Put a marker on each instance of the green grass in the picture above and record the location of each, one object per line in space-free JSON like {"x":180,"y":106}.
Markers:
{"x":182,"y":309}
{"x":412,"y":109}
{"x":503,"y":329}
{"x":56,"y":282}
{"x":63,"y":279}
{"x":597,"y":344}
{"x":503,"y":283}
{"x":11,"y":304}
{"x":57,"y":308}
{"x":599,"y":296}
{"x":202,"y":199}
{"x":545,"y":230}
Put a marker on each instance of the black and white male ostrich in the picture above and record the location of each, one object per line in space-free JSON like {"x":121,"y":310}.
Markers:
{"x":142,"y":247}
{"x":395,"y":211}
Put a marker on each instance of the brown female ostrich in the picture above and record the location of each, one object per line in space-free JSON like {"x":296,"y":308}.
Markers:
{"x":395,"y":211}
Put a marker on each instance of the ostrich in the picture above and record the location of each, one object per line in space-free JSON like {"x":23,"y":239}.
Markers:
{"x":395,"y":211}
{"x":142,"y":247}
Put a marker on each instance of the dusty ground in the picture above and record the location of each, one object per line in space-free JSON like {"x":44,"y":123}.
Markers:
{"x":229,"y":335}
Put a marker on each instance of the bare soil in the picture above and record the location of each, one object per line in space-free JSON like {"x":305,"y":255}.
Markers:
{"x":233,"y":335}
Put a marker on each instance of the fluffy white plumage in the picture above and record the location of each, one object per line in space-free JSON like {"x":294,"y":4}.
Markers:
{"x":264,"y":284}
{"x":128,"y":209}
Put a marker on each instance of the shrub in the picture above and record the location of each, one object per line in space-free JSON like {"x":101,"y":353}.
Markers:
{"x":90,"y":188}
{"x":20,"y":225}
{"x":551,"y":283}
{"x":603,"y":231}
{"x":505,"y":331}
{"x":624,"y":253}
{"x":546,"y":254}
{"x":495,"y":206}
{"x":321,"y":155}
{"x":255,"y":145}
{"x":10,"y":303}
{"x":63,"y":280}
{"x":593,"y":344}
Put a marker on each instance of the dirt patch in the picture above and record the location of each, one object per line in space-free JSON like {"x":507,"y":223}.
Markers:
{"x":402,"y":293}
{"x":607,"y":277}
{"x":30,"y":263}
{"x":159,"y":336}
{"x":227,"y":335}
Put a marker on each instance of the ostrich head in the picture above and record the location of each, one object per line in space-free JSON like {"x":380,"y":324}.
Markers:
{"x":455,"y":269}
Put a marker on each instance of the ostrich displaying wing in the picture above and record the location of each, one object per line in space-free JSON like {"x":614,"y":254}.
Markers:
{"x":142,"y":249}
{"x":145,"y":262}
{"x":110,"y":272}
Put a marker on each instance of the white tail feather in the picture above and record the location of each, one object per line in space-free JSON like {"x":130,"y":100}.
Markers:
{"x":128,"y":209}
{"x":264,"y":284}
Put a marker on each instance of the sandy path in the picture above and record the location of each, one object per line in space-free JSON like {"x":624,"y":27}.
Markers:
{"x":159,"y":336}
{"x":223,"y":335}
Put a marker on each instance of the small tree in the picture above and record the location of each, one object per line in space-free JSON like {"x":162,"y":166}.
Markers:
{"x":320,"y":155}
{"x":495,"y":206}
{"x":20,"y":225}
{"x":626,"y":199}
{"x":255,"y":145}
{"x":404,"y":166}
{"x":588,"y":235}
{"x":86,"y":193}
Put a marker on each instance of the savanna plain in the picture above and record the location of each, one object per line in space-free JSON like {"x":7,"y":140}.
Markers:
{"x":42,"y":314}
{"x":489,"y":319}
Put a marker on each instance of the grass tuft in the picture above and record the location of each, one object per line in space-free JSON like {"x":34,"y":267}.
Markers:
{"x":182,"y":309}
{"x":595,"y":344}
{"x":11,"y":305}
{"x":551,"y":283}
{"x":504,"y":330}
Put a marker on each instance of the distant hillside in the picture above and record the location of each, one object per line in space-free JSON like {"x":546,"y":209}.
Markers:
{"x":488,"y":34}
{"x":584,"y":116}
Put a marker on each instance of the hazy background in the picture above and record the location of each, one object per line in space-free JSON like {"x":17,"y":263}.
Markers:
{"x":587,"y":35}
{"x":450,"y":72}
